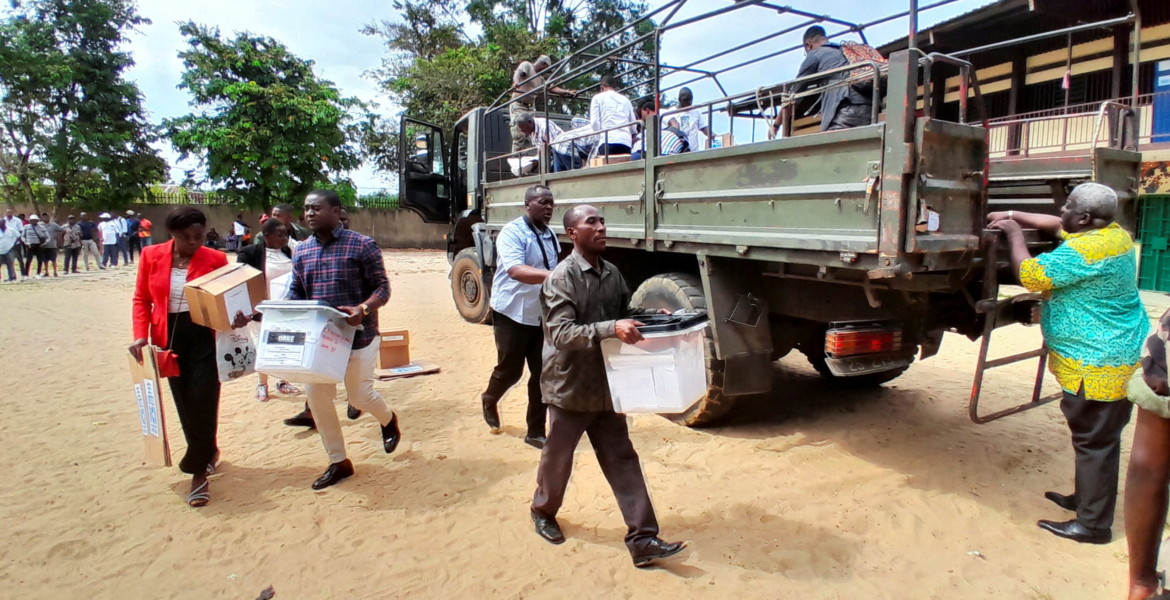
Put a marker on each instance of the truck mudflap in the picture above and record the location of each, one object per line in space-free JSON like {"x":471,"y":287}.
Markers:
{"x":865,"y":364}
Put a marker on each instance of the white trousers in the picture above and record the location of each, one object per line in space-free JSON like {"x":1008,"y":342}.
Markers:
{"x":359,"y":387}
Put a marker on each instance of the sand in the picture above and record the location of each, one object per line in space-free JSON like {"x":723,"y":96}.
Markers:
{"x":813,"y":492}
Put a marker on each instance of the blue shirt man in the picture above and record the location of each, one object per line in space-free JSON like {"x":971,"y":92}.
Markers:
{"x":528,"y":251}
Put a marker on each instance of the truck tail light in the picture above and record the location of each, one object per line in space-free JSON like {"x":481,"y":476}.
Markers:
{"x":849,"y":342}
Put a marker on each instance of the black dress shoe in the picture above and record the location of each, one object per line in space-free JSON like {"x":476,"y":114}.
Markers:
{"x":536,"y":441}
{"x":491,"y":415}
{"x":353,"y":413}
{"x":334,"y":474}
{"x":656,"y":549}
{"x":391,"y":435}
{"x":1076,"y":532}
{"x":547,"y":528}
{"x":303,"y":419}
{"x":1068,"y":502}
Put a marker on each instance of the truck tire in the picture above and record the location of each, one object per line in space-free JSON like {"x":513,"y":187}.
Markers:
{"x":678,"y":291}
{"x":816,"y":358}
{"x":471,"y":299}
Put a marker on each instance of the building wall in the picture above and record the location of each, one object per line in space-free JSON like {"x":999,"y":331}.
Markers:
{"x":390,"y":228}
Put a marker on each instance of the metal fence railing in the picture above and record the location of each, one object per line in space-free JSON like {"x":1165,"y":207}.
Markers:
{"x":1067,"y":129}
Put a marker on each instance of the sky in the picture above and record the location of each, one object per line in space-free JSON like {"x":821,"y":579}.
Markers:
{"x":329,"y":34}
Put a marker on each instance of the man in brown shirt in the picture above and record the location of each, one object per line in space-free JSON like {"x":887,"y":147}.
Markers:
{"x":584,"y":301}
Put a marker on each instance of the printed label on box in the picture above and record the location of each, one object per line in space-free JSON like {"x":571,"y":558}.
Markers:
{"x":141,"y":408}
{"x":152,"y":408}
{"x":237,"y":300}
{"x":284,"y":348}
{"x":393,"y":338}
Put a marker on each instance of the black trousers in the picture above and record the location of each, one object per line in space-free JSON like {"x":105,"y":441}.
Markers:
{"x":31,"y":252}
{"x":1096,"y":436}
{"x":851,"y":115}
{"x":71,"y":255}
{"x":610,"y":438}
{"x":517,"y":344}
{"x":195,"y":390}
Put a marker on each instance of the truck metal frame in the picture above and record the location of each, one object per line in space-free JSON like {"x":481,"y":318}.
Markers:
{"x":785,"y":241}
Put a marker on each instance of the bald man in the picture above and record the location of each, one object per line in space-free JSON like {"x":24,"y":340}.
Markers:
{"x":585,"y":300}
{"x":1094,"y":326}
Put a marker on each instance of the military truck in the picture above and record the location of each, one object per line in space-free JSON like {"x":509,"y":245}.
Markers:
{"x":858,"y":248}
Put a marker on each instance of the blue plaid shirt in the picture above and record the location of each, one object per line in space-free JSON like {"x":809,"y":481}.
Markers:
{"x":344,"y":271}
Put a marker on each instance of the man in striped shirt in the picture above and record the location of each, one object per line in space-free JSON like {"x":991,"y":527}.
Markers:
{"x":344,"y":269}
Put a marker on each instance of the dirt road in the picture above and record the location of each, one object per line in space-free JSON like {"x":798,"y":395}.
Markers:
{"x":813,"y":492}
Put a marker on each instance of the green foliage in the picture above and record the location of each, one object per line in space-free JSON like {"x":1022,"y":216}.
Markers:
{"x":380,"y":199}
{"x":437,"y":71}
{"x":345,"y":189}
{"x":266,"y":129}
{"x":66,"y":113}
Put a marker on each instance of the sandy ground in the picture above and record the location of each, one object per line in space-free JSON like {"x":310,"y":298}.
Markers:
{"x":810,"y":493}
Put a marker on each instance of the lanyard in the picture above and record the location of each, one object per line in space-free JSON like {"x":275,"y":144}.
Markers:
{"x":539,"y":243}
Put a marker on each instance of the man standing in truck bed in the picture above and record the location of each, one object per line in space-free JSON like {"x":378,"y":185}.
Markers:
{"x":527,"y":251}
{"x":526,"y":88}
{"x":842,"y":106}
{"x":583,"y":301}
{"x":1094,"y":326}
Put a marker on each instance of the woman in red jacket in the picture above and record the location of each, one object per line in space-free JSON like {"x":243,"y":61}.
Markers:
{"x":162,"y":318}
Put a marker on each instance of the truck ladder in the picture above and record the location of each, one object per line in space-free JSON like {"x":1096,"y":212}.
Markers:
{"x":997,"y":313}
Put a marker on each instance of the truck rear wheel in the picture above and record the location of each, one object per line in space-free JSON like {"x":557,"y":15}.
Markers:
{"x":816,"y":358}
{"x":471,"y":298}
{"x":683,"y":291}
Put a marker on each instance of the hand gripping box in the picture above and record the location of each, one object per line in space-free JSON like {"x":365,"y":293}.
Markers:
{"x":217,"y":296}
{"x":664,"y":373}
{"x":303,"y":341}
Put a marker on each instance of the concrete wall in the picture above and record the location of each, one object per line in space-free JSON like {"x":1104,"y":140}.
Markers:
{"x":390,"y":228}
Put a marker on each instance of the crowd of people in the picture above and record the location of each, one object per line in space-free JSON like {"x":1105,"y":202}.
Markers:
{"x":41,"y":239}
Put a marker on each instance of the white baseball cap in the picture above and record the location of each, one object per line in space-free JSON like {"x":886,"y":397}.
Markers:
{"x":33,"y":217}
{"x":104,"y":216}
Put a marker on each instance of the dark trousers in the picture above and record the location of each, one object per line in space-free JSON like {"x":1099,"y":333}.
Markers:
{"x":1096,"y":436}
{"x":71,"y":256}
{"x":124,"y":249}
{"x":608,"y":149}
{"x":851,"y":115}
{"x":135,"y":245}
{"x":517,"y":344}
{"x":8,"y":259}
{"x":31,"y":252}
{"x":195,"y":390}
{"x":619,"y":462}
{"x":109,"y":255}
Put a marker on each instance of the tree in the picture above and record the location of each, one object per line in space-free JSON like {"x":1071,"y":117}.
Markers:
{"x":266,"y":128}
{"x":66,"y":112}
{"x":437,"y":71}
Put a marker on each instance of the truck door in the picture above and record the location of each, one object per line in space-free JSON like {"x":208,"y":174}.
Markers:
{"x":424,"y":183}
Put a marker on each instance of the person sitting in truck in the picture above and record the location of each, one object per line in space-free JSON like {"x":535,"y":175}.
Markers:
{"x":612,"y":116}
{"x":543,"y":133}
{"x":691,"y":121}
{"x":842,"y":106}
{"x":672,"y":139}
{"x":1094,"y":325}
{"x":526,"y":83}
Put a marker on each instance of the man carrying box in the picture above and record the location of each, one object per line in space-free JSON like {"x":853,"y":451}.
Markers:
{"x":344,"y":269}
{"x":583,"y":301}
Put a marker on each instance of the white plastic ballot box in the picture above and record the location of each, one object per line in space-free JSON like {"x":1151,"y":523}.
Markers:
{"x":665,"y":373}
{"x":303,"y":341}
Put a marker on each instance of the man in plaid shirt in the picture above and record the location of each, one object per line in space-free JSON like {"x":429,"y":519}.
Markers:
{"x":344,"y":269}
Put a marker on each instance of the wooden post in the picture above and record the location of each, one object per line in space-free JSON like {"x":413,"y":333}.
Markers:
{"x":1019,"y":80}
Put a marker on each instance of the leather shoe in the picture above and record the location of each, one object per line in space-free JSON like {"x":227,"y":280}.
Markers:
{"x":547,"y":528}
{"x":391,"y":435}
{"x":334,"y":474}
{"x":303,"y":419}
{"x":491,"y":415}
{"x":1076,"y":532}
{"x":656,"y":549}
{"x":1068,"y":502}
{"x":536,"y":441}
{"x":353,"y":413}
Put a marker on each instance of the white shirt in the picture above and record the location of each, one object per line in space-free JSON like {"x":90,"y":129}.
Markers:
{"x":123,"y":227}
{"x":276,"y":264}
{"x":17,"y":224}
{"x":611,"y":109}
{"x":177,"y":301}
{"x":8,"y":239}
{"x":109,"y":231}
{"x":545,"y":132}
{"x":690,"y":122}
{"x":518,"y":245}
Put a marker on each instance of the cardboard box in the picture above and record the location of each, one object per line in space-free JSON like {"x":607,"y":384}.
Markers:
{"x":303,"y":341}
{"x":723,"y":140}
{"x":215,"y":297}
{"x":612,"y":159}
{"x":150,"y":408}
{"x":395,"y":349}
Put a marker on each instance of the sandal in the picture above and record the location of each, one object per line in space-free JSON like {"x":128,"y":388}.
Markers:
{"x":287,"y":388}
{"x":262,"y":392}
{"x":211,"y":466}
{"x":200,"y":496}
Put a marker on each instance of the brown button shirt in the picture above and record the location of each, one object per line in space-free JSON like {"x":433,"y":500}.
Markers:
{"x":581,"y":307}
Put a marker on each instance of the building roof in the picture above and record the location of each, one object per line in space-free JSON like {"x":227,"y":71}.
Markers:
{"x":1012,"y":19}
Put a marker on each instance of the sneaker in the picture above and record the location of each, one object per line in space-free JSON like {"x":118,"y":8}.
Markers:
{"x":287,"y":388}
{"x":262,"y":392}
